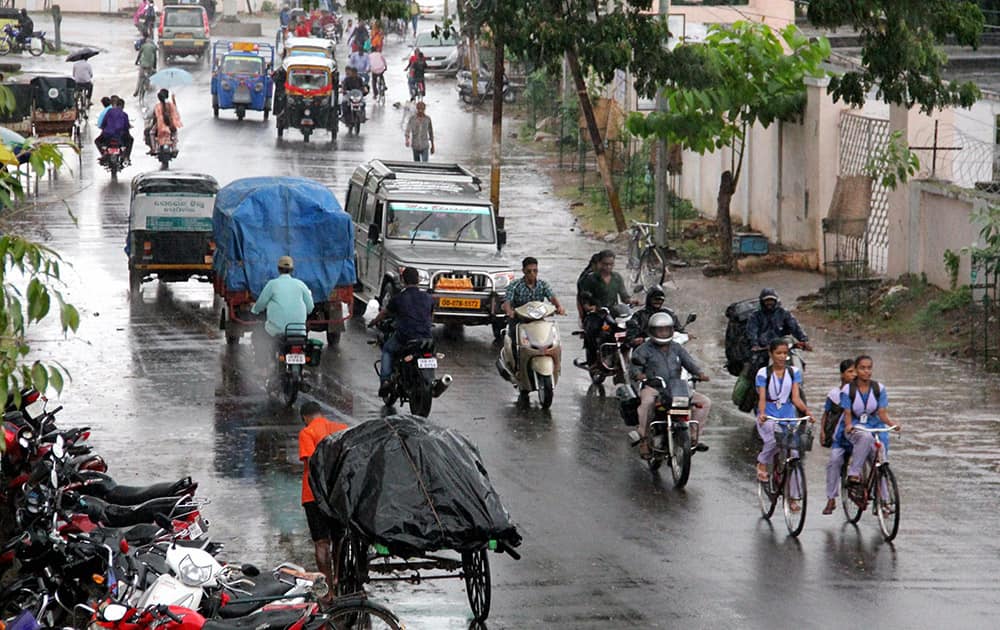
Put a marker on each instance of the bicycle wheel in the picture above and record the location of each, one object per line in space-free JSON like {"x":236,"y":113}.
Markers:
{"x":795,"y":490}
{"x":887,"y":502}
{"x":361,"y":614}
{"x":767,"y":493}
{"x":652,"y":269}
{"x":852,"y":511}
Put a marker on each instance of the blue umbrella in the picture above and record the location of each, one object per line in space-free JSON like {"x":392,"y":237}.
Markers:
{"x":171,"y":77}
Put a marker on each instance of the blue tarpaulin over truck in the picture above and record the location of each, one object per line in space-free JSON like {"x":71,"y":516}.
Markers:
{"x":259,"y":219}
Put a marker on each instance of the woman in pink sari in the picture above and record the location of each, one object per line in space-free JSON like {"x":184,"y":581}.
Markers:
{"x":167,"y":120}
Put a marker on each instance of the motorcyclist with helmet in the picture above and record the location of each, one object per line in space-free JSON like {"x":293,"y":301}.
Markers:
{"x":635,"y":329}
{"x":771,"y":322}
{"x":660,"y":356}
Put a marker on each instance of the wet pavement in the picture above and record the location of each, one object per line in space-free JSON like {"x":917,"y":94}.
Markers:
{"x":606,"y":544}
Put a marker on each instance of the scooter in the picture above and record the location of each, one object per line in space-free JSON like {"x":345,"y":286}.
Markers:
{"x":485,"y":88}
{"x":539,"y":354}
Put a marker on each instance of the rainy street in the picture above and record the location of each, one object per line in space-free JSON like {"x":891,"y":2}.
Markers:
{"x":606,"y":544}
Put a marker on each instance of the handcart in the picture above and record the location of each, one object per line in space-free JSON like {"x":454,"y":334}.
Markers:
{"x":412,"y":502}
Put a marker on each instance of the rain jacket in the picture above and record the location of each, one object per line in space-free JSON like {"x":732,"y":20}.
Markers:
{"x":765,"y":326}
{"x":649,"y":359}
{"x":636,"y":326}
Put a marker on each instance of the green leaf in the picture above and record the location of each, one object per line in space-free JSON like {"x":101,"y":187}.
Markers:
{"x":39,"y":377}
{"x":56,"y":379}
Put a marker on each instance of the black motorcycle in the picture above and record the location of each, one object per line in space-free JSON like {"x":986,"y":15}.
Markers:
{"x":669,"y":430}
{"x":293,"y":351}
{"x":112,"y":158}
{"x":413,"y":377}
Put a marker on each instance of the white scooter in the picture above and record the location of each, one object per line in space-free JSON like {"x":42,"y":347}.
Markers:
{"x":539,"y":353}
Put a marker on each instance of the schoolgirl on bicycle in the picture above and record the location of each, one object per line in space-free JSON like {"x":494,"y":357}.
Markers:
{"x":778,"y":396}
{"x":869,"y":407}
{"x":833,"y":415}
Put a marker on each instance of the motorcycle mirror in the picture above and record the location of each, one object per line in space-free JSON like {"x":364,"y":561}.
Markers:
{"x":250,"y":570}
{"x":59,"y":448}
{"x":114,"y":612}
{"x":690,"y":318}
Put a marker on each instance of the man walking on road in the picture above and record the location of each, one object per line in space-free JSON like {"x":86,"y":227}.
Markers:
{"x":316,"y":429}
{"x":420,"y":134}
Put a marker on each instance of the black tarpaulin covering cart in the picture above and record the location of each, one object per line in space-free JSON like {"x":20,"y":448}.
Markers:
{"x":410,"y":496}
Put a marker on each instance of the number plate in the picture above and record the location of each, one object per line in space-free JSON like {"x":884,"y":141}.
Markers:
{"x":427,"y":363}
{"x":184,"y":36}
{"x":306,"y":122}
{"x":619,"y":335}
{"x":459,"y":303}
{"x":295,"y":359}
{"x":194,"y":530}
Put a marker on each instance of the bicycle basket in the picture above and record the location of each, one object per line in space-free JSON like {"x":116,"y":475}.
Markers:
{"x":792,"y":439}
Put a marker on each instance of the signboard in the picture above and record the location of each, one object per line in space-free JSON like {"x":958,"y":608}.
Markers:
{"x":172,"y":212}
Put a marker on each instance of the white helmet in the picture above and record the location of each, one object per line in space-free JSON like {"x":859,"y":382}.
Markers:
{"x":661,"y":328}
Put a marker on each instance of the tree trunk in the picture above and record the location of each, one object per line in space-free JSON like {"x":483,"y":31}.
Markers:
{"x":727,"y":187}
{"x":595,"y":137}
{"x":498,"y":74}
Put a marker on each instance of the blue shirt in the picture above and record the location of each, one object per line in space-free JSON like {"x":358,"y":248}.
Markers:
{"x":412,"y":310}
{"x":100,"y":117}
{"x":779,"y":392}
{"x":863,"y":404}
{"x":287,"y":300}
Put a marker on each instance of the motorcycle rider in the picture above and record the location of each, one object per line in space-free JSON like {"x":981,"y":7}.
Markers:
{"x":25,"y":28}
{"x":413,"y":311}
{"x":115,"y":126}
{"x":351,"y":82}
{"x":770,"y":322}
{"x":146,"y":60}
{"x":360,"y":61}
{"x":606,"y":288}
{"x":660,"y":356}
{"x":285,"y":299}
{"x":635,"y":329}
{"x":528,"y":288}
{"x":165,"y":122}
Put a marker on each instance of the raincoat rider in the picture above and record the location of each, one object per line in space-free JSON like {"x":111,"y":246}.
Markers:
{"x":771,"y":322}
{"x":661,"y":357}
{"x":635,"y":329}
{"x":412,"y":310}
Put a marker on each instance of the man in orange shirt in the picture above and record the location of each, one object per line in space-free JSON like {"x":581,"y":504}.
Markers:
{"x":317,"y":428}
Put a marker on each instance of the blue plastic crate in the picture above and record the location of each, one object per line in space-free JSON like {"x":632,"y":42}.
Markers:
{"x":749,"y":243}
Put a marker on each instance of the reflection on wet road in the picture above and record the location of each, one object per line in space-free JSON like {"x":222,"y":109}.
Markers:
{"x":606,"y":544}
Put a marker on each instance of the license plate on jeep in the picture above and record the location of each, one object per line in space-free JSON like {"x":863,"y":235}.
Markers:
{"x":469,"y":303}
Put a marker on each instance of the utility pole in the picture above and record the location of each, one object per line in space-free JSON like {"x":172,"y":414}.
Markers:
{"x":661,"y":192}
{"x":497,"y":141}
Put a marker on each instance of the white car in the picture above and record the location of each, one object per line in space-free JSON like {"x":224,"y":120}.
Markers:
{"x":441,"y":53}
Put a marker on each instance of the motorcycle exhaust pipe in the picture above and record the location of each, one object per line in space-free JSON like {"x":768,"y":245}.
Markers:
{"x":440,"y":385}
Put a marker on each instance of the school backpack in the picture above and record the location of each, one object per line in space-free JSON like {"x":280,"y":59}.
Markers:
{"x":738,"y":343}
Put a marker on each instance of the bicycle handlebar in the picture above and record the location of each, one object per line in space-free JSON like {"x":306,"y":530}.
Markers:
{"x":634,"y":222}
{"x":799,"y":420}
{"x":879,"y":430}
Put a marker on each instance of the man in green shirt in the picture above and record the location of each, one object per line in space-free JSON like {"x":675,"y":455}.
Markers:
{"x":146,"y":60}
{"x":605,"y":285}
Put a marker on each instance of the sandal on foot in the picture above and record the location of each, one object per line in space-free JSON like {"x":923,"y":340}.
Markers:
{"x":762,"y":475}
{"x":831,"y":505}
{"x":645,"y":451}
{"x":795,"y":505}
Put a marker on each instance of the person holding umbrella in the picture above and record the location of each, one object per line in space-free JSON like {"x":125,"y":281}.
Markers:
{"x":83,"y":72}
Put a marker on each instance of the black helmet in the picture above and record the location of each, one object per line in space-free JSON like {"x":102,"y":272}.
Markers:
{"x":656,"y":293}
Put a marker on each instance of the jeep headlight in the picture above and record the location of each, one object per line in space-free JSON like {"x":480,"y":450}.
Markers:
{"x":191,"y":574}
{"x":226,"y":85}
{"x":502,"y":279}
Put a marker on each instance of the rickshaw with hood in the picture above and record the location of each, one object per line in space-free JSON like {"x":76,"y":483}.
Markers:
{"x":241,"y":77}
{"x":310,"y":100}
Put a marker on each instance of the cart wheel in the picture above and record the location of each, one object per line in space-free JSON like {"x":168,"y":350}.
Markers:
{"x":476,"y":571}
{"x":352,"y":565}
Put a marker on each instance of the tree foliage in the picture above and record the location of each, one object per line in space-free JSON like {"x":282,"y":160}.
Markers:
{"x":30,"y":283}
{"x":901,"y":53}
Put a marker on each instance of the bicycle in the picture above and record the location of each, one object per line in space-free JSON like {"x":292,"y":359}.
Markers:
{"x":144,"y":85}
{"x":646,"y":265}
{"x":787,"y":479}
{"x":885,"y":502}
{"x":378,"y":88}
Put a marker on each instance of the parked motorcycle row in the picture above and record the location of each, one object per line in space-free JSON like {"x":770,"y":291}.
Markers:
{"x":81,"y":550}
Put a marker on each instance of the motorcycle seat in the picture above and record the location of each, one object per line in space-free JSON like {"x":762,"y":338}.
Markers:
{"x":265,"y":585}
{"x":417,"y":345}
{"x":264,"y":620}
{"x":134,"y":495}
{"x":123,"y":516}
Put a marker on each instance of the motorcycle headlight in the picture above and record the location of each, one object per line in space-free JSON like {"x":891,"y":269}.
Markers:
{"x":191,"y":574}
{"x":306,"y":111}
{"x":320,"y":588}
{"x":226,"y":85}
{"x":680,"y":402}
{"x":502,"y":279}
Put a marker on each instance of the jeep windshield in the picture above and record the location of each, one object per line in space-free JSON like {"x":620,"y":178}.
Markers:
{"x":434,"y":222}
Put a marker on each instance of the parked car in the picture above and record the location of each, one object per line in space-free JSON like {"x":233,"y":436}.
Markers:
{"x":441,"y":53}
{"x":434,"y":217}
{"x":184,"y":31}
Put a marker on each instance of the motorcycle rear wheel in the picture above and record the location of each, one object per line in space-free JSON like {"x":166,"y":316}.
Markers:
{"x":290,"y":387}
{"x":36,"y":46}
{"x":420,"y":401}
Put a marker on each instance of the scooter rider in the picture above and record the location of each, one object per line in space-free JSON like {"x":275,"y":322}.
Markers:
{"x":659,"y":356}
{"x":528,"y":288}
{"x":770,"y":322}
{"x":286,"y":300}
{"x":413,"y":310}
{"x":635,"y":329}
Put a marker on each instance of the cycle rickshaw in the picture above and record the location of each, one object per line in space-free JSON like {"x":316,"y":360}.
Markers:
{"x":413,"y":502}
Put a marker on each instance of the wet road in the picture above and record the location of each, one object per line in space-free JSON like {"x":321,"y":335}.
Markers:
{"x":606,"y":544}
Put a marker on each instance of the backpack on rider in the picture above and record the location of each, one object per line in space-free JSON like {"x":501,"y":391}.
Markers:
{"x":738,"y":344}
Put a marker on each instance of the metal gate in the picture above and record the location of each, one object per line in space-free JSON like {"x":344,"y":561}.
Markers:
{"x":861,"y":138}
